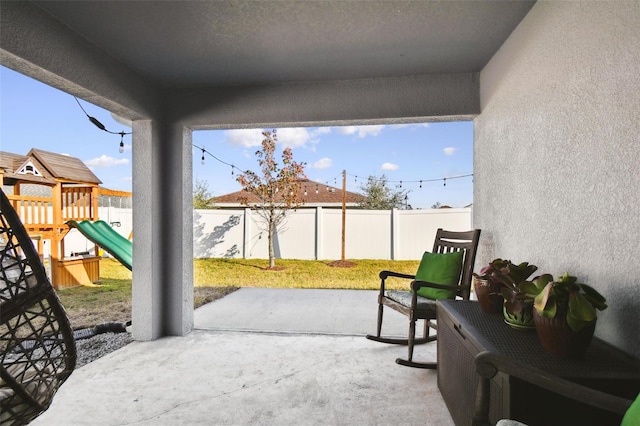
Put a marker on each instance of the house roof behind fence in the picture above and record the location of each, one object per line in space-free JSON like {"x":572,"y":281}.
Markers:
{"x":313,"y":193}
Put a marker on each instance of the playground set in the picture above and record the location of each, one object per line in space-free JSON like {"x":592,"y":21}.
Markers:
{"x":67,"y":194}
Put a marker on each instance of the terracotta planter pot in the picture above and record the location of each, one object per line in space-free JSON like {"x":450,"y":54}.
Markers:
{"x":488,"y":295}
{"x":559,"y":339}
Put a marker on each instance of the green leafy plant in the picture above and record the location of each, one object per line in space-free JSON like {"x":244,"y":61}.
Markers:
{"x":494,"y":272}
{"x":581,"y":300}
{"x":511,"y":278}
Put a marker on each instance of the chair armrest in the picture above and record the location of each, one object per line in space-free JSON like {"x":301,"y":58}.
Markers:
{"x":417,"y":285}
{"x":386,"y":274}
{"x":489,"y":364}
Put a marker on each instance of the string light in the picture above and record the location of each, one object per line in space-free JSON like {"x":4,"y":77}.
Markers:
{"x":102,"y":127}
{"x":402,"y":183}
{"x":370,"y":179}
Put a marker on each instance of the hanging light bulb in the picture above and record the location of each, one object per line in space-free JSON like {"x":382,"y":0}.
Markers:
{"x":121,"y":149}
{"x":420,"y":184}
{"x":202,"y":159}
{"x":445,"y":181}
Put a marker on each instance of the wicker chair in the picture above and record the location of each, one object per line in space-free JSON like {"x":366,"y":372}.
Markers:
{"x":36,"y":340}
{"x":416,"y":307}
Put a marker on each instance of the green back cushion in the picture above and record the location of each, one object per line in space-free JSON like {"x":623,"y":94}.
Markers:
{"x":439,"y":268}
{"x":632,"y":417}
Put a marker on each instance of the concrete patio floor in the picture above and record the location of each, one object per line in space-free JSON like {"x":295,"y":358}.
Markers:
{"x":260,"y":356}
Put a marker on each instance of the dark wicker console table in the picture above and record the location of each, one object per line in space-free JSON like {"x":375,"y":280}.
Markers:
{"x":464,"y":330}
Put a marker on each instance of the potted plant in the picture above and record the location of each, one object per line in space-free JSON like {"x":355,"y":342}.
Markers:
{"x":487,"y":286}
{"x":565,"y":316}
{"x":516,"y":290}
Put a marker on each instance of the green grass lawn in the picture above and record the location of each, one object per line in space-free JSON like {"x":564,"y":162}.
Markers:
{"x":110,"y":299}
{"x":298,"y":273}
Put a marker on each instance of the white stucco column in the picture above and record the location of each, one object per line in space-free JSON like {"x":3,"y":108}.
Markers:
{"x":163,"y":223}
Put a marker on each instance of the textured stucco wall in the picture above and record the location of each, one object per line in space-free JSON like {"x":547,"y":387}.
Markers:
{"x":557,"y":156}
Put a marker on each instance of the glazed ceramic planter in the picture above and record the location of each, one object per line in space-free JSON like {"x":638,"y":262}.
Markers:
{"x":559,"y":339}
{"x":522,"y":320}
{"x":488,"y":294}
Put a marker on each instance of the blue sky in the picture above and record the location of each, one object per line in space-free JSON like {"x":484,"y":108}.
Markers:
{"x":34,"y":115}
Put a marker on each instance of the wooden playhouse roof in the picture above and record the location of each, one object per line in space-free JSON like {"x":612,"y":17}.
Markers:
{"x":52,"y":168}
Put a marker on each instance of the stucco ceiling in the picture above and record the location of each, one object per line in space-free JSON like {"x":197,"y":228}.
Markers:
{"x":239,"y":43}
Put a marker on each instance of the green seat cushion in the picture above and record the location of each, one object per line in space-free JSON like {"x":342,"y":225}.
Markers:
{"x":632,"y":416}
{"x":439,"y":268}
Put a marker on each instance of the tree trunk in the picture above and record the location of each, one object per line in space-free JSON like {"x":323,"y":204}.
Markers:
{"x":272,"y":256}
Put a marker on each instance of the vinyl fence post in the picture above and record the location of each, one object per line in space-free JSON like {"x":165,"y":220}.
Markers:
{"x":395,"y":235}
{"x":319,"y":232}
{"x":247,"y":233}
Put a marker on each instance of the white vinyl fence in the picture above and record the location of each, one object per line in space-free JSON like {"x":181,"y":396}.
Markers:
{"x":306,"y":233}
{"x":317,"y":233}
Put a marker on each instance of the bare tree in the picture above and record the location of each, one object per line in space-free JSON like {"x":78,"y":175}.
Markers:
{"x":276,"y":190}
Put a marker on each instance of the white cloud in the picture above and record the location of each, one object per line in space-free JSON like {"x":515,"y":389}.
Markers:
{"x":293,"y":137}
{"x":323,"y":163}
{"x":105,"y":161}
{"x":244,"y":137}
{"x":449,"y":150}
{"x":403,"y":125}
{"x":320,"y":131}
{"x":389,"y":166}
{"x":361,"y":131}
{"x":288,"y":137}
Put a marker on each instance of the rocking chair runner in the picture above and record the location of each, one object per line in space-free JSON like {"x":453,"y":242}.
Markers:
{"x":36,"y":341}
{"x":417,"y":307}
